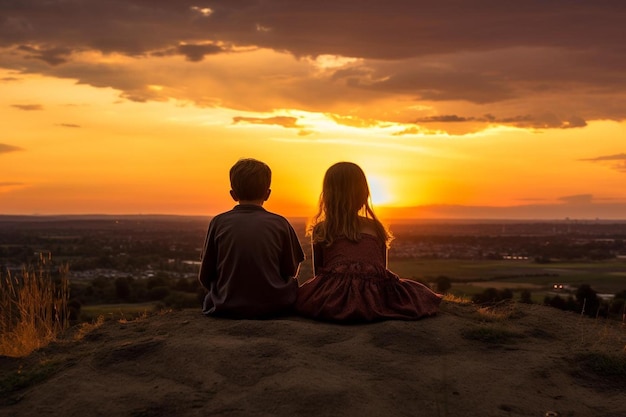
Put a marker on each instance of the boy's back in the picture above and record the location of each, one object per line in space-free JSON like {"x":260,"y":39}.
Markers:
{"x":249,"y":261}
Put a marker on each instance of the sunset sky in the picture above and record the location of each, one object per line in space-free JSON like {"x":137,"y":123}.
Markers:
{"x":454,"y":109}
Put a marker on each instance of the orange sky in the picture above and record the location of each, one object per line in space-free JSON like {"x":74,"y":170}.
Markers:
{"x":125,"y":108}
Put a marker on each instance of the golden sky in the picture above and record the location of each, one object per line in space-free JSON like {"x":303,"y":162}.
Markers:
{"x":454,"y":109}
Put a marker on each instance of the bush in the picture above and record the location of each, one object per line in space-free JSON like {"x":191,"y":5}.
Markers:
{"x":443,"y":284}
{"x":180,"y":300}
{"x":526,"y":297}
{"x":492,"y":296}
{"x":588,"y":299}
{"x":158,"y":293}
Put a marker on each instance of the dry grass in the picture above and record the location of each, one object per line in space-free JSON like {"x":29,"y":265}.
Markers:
{"x":84,"y":329}
{"x":451,"y":298}
{"x":501,"y":311}
{"x":33,"y":309}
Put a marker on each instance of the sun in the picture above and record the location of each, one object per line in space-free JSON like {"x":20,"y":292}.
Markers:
{"x":379,"y":190}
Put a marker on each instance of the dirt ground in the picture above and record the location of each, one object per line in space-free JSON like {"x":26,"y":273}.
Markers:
{"x":520,"y":360}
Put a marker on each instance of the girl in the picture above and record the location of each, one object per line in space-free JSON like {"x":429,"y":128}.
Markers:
{"x":351,"y":281}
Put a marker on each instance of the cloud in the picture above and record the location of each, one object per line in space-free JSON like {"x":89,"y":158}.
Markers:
{"x":284,"y":121}
{"x":354,"y":121}
{"x":406,"y":29}
{"x":616,"y":157}
{"x":4,"y":148}
{"x":28,"y":107}
{"x":53,"y":56}
{"x":446,"y":55}
{"x":68,"y":125}
{"x":577,"y":199}
{"x":447,"y":118}
{"x":543,"y":121}
{"x":413,"y":130}
{"x":196,"y":53}
{"x":8,"y":186}
{"x":616,"y":162}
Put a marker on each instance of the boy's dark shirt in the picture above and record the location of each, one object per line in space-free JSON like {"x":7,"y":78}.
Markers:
{"x":250,"y":258}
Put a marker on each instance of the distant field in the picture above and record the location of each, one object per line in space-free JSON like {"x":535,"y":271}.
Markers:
{"x":604,"y":277}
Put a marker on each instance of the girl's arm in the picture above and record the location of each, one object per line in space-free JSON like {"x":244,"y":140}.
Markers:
{"x":318,"y":258}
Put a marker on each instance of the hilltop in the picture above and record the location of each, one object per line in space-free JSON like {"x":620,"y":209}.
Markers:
{"x":513,"y":360}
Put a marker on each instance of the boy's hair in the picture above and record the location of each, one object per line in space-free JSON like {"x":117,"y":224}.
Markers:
{"x":250,"y":179}
{"x":344,"y":199}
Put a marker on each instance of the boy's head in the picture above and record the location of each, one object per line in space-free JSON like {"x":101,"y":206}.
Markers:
{"x":250,"y":180}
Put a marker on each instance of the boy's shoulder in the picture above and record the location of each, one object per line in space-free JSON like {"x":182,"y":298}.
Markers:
{"x":258,"y":212}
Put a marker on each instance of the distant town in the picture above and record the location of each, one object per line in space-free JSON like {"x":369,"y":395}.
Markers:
{"x":114,"y":259}
{"x":111,"y":246}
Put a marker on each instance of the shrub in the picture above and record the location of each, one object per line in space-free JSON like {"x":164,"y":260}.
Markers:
{"x":492,"y":296}
{"x":526,"y":297}
{"x":33,"y":309}
{"x":443,"y":284}
{"x":588,"y":299}
{"x":158,"y":293}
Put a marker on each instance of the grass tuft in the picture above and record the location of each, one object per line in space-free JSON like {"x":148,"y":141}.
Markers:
{"x":501,"y":311}
{"x":451,"y":298}
{"x":33,"y":309}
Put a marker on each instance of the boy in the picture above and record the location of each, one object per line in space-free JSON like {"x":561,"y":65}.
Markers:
{"x":251,"y":257}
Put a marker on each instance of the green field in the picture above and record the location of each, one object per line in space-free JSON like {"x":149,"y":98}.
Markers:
{"x":604,"y":277}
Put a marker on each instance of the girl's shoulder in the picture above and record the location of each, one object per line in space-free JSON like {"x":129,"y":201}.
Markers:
{"x":316,"y":227}
{"x":368,"y":226}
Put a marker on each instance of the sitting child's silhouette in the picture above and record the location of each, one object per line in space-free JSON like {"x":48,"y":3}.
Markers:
{"x":251,"y":257}
{"x":351,"y":280}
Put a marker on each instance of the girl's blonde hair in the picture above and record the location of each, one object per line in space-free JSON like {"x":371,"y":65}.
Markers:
{"x":344,"y":200}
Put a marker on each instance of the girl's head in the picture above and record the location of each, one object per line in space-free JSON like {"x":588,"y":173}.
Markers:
{"x":343,"y":205}
{"x":344,"y":189}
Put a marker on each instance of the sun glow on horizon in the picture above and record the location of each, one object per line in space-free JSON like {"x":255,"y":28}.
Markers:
{"x":379,"y":191}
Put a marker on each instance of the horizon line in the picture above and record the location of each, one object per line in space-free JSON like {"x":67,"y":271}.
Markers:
{"x":385,"y":219}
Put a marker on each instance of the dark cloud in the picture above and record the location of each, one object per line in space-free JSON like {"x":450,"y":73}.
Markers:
{"x":28,"y":107}
{"x":196,"y":53}
{"x":53,"y":56}
{"x":559,"y":62}
{"x":10,"y":184}
{"x":4,"y":148}
{"x":447,"y":118}
{"x":69,"y":125}
{"x":402,"y":29}
{"x":399,"y":29}
{"x":540,"y":121}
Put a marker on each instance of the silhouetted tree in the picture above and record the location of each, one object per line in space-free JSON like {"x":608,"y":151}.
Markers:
{"x":526,"y":297}
{"x":587,"y":299}
{"x":122,"y":288}
{"x":443,"y":284}
{"x":492,"y":296}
